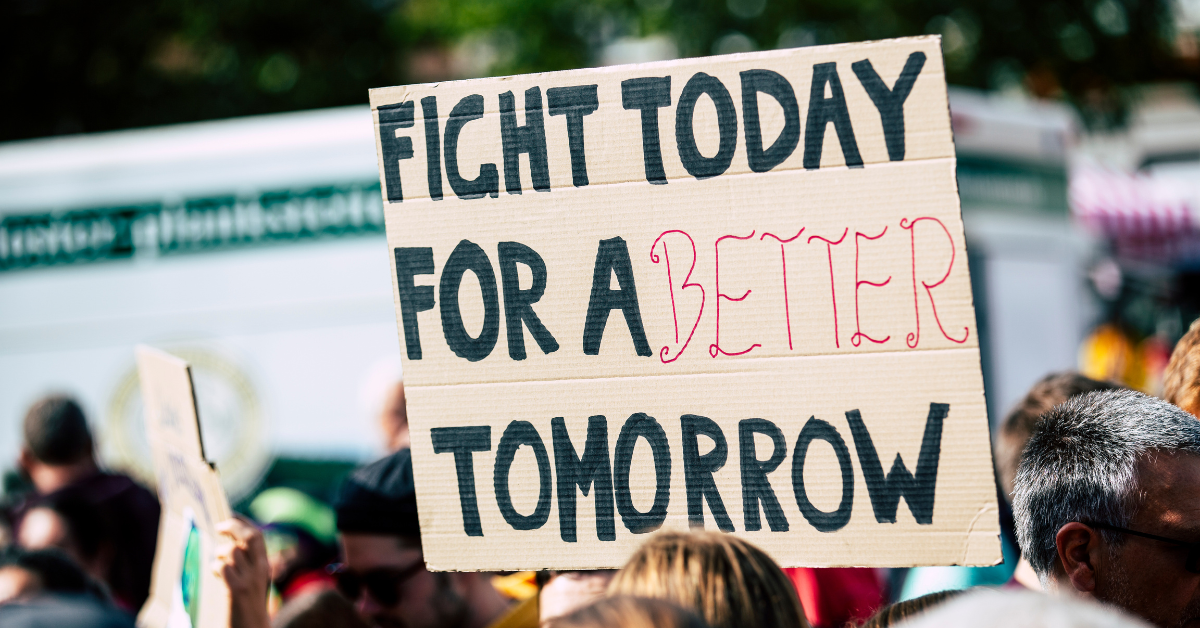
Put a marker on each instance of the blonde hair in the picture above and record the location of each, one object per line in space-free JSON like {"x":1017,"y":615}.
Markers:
{"x":1181,"y":381}
{"x":627,"y":611}
{"x":727,"y":581}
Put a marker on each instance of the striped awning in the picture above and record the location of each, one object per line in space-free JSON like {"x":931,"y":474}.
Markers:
{"x":1146,"y":216}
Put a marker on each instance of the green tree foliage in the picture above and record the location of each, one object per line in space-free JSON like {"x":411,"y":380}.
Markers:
{"x":72,"y":66}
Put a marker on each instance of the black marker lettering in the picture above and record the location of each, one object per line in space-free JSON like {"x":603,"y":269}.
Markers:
{"x":756,"y":489}
{"x":695,"y":163}
{"x":468,"y":256}
{"x":613,"y":257}
{"x":816,"y":429}
{"x":433,"y":147}
{"x":777,"y":87}
{"x":649,"y":94}
{"x":574,"y":103}
{"x":890,"y":102}
{"x":642,"y":426}
{"x":592,"y":469}
{"x":698,"y":470}
{"x":391,"y":119}
{"x":518,"y":303}
{"x":886,"y":491}
{"x":413,"y":298}
{"x":488,"y":182}
{"x":516,"y":434}
{"x":529,"y":138}
{"x":462,"y":442}
{"x":822,"y":111}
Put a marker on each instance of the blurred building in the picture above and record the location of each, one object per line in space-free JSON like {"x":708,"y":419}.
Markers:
{"x":252,"y":247}
{"x":1138,"y":190}
{"x":1029,"y":261}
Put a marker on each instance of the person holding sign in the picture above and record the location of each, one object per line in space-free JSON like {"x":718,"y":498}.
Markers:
{"x":384,"y":574}
{"x":1105,"y":501}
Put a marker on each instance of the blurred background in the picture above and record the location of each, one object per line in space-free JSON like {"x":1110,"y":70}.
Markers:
{"x":201,"y":176}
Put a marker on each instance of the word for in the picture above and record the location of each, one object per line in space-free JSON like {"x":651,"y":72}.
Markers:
{"x":647,"y":95}
{"x":612,"y":257}
{"x":607,"y":477}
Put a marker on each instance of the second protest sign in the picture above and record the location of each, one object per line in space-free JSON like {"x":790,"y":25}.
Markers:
{"x":728,"y":293}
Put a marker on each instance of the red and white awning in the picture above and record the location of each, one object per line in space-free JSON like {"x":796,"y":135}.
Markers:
{"x":1147,"y":216}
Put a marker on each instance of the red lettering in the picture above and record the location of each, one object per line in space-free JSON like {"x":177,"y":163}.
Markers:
{"x":654,"y":258}
{"x":829,"y":244}
{"x":787,"y":312}
{"x":856,"y":339}
{"x":914,"y":339}
{"x":715,"y":348}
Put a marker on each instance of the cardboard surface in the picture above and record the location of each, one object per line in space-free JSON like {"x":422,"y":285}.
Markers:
{"x":652,"y":283}
{"x":185,"y":593}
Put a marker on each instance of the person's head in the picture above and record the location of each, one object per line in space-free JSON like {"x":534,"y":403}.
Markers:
{"x":1097,"y":469}
{"x":568,"y":590}
{"x":992,"y":608}
{"x":1014,"y":432}
{"x":321,"y":609}
{"x":1181,"y":381}
{"x":624,"y":611}
{"x":895,"y":614}
{"x":393,"y":419}
{"x":70,"y":523}
{"x":384,"y":571}
{"x":25,"y":574}
{"x":299,"y":531}
{"x":722,"y":578}
{"x":56,"y":438}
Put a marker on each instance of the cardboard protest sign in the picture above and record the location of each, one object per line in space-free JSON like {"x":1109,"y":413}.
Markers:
{"x":185,"y":593}
{"x":727,"y":292}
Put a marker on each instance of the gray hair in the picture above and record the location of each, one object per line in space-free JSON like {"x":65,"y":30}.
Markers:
{"x":997,"y":608}
{"x":1081,"y":464}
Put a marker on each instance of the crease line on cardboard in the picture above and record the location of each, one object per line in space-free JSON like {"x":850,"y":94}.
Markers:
{"x":697,"y":372}
{"x":688,"y":178}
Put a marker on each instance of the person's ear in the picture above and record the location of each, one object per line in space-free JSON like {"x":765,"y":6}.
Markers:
{"x":1078,"y":549}
{"x":25,"y":460}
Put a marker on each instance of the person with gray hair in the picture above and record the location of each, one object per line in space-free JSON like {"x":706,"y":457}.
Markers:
{"x":1107,"y":504}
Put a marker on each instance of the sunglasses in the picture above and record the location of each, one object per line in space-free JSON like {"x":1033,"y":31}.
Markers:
{"x":382,"y":584}
{"x":1191,"y":562}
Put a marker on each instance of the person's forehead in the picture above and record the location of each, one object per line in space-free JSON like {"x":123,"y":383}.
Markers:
{"x":1170,"y":486}
{"x":368,"y":551}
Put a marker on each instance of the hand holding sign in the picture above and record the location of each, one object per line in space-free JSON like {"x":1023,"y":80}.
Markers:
{"x":185,"y":592}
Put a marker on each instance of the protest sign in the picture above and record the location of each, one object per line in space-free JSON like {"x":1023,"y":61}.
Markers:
{"x":185,"y":592}
{"x":727,"y":292}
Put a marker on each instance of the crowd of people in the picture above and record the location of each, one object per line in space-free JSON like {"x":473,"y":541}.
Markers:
{"x":1099,"y":486}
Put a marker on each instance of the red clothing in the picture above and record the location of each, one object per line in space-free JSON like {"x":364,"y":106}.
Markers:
{"x":311,"y":581}
{"x":833,"y":596}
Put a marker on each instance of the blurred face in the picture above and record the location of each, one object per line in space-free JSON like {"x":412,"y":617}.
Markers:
{"x":571,"y":590}
{"x":17,"y":583}
{"x":406,"y":594}
{"x":393,"y":420}
{"x":1145,"y":576}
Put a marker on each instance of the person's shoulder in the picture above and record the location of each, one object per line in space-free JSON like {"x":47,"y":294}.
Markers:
{"x":522,"y":615}
{"x":63,"y":611}
{"x":118,"y":489}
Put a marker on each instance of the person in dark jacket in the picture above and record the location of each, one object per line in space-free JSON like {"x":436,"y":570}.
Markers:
{"x":59,"y":459}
